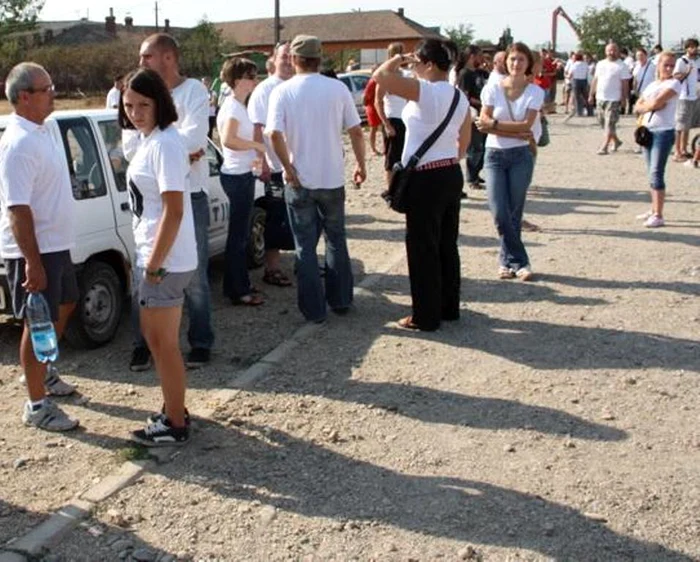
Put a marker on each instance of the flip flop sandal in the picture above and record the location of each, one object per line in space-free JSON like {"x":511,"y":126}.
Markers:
{"x":248,"y":300}
{"x":276,"y":277}
{"x":407,"y":323}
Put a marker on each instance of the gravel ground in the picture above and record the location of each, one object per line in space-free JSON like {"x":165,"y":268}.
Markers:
{"x":557,"y":420}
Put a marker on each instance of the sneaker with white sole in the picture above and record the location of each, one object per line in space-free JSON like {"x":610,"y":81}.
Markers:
{"x":54,"y":385}
{"x":153,"y":418}
{"x":161,"y":434}
{"x":654,"y":221}
{"x":48,"y":417}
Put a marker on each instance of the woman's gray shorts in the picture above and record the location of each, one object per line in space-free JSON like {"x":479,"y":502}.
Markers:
{"x":170,"y":292}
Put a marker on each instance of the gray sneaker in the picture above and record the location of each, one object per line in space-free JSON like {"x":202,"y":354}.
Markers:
{"x":54,"y":385}
{"x":49,"y":417}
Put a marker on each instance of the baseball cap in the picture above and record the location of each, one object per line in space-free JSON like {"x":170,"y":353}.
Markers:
{"x":306,"y":46}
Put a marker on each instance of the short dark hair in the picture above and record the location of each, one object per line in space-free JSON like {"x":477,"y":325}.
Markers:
{"x":441,"y":52}
{"x":164,"y":42}
{"x":236,"y":68}
{"x":118,"y":77}
{"x":519,"y":47}
{"x":308,"y":64}
{"x":641,"y":50}
{"x":690,"y":43}
{"x":149,"y":83}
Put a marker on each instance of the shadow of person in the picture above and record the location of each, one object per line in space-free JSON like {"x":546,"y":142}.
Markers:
{"x":302,"y":477}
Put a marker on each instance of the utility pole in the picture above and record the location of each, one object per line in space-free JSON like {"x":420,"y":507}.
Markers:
{"x":157,"y":16}
{"x":278,"y":26}
{"x":659,"y":34}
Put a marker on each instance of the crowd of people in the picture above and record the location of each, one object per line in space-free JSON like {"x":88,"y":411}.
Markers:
{"x":434,"y":106}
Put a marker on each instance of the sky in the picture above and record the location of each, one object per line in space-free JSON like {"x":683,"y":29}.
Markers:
{"x":529,"y":21}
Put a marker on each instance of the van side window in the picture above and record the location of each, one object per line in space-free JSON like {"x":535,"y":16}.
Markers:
{"x":86,"y":174}
{"x":214,"y":159}
{"x":112,"y":137}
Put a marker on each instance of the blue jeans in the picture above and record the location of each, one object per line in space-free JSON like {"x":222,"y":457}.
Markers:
{"x":656,"y":157}
{"x":312,"y":211}
{"x":581,"y":96}
{"x":197,"y":294}
{"x":240,"y":190}
{"x":508,"y":175}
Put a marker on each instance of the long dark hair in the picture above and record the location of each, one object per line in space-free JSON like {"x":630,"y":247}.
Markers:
{"x":441,"y":52}
{"x":148,"y":83}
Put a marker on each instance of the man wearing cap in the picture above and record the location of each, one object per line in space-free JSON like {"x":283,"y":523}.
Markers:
{"x":306,"y":118}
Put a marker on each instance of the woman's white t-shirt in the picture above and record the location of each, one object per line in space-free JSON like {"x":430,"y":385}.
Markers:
{"x":493,"y":95}
{"x":161,"y":164}
{"x":664,"y":118}
{"x":579,"y":70}
{"x":393,"y":105}
{"x":236,"y":161}
{"x":423,"y":116}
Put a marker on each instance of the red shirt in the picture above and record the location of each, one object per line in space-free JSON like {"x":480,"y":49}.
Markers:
{"x":548,"y":68}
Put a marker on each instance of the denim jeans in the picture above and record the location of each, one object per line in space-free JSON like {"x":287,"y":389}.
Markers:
{"x":475,"y":155}
{"x":197,"y":294}
{"x":508,"y":175}
{"x":581,"y":96}
{"x":312,"y":212}
{"x":240,"y":190}
{"x":656,"y":157}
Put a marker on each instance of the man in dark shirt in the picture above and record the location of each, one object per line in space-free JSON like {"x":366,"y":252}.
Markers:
{"x":471,"y":81}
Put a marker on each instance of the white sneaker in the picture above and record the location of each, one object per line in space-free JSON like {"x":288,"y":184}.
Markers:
{"x":49,"y":417}
{"x":654,"y":221}
{"x":54,"y":385}
{"x":524,"y":273}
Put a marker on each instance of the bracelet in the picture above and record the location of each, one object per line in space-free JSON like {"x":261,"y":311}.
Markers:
{"x":157,"y":273}
{"x":495,"y":124}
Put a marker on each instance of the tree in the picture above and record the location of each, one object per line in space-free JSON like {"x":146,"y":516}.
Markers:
{"x":18,"y":15}
{"x":201,"y":49}
{"x":612,"y":23}
{"x":462,"y":35}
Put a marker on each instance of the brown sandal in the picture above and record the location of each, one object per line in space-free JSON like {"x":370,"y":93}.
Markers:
{"x":276,"y":277}
{"x":248,"y":300}
{"x":407,"y":323}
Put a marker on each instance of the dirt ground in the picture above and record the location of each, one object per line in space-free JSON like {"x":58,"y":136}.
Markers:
{"x":557,"y":420}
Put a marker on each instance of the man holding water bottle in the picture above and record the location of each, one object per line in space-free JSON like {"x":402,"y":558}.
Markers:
{"x":36,"y":205}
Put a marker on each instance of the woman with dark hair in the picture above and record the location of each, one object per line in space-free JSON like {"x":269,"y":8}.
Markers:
{"x":509,"y":111}
{"x":240,"y":154}
{"x":166,"y":250}
{"x":432,"y":217}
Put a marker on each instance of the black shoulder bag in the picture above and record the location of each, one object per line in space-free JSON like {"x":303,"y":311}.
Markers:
{"x":642,"y":135}
{"x":397,"y":194}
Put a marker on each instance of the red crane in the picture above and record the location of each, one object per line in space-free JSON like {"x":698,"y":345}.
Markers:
{"x":560,"y":12}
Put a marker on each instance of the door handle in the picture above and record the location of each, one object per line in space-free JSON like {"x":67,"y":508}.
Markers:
{"x":124,"y":206}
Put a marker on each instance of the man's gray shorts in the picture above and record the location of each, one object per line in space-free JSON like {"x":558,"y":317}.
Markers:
{"x":170,"y":292}
{"x":609,"y":115}
{"x":684,"y":115}
{"x":61,"y":287}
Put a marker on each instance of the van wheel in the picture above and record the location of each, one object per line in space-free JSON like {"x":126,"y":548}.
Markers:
{"x":99,"y":309}
{"x":696,"y":144}
{"x":256,"y":242}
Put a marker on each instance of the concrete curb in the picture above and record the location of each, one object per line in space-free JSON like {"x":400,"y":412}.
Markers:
{"x":50,"y":532}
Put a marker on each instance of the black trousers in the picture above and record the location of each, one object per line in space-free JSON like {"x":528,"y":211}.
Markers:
{"x":475,"y":155}
{"x":432,"y":229}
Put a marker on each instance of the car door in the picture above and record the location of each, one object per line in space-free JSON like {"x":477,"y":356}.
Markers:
{"x":218,"y":203}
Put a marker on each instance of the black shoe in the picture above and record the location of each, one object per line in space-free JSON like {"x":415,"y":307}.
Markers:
{"x":140,"y":359}
{"x":161,"y":416}
{"x":161,"y":434}
{"x":341,"y":310}
{"x":197,"y":357}
{"x":463,"y":195}
{"x":479,"y":179}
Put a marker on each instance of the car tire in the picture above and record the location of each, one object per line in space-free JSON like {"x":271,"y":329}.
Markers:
{"x":256,"y":240}
{"x":695,"y":144}
{"x":99,"y":310}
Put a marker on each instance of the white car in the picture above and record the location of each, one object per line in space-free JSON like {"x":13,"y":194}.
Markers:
{"x":356,"y":81}
{"x":104,"y":249}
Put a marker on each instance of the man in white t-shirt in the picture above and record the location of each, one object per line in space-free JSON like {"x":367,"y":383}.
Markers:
{"x":499,"y":71}
{"x":258,"y":105}
{"x":36,"y":231}
{"x":306,"y":118}
{"x":161,"y":53}
{"x":608,"y":91}
{"x":114,"y":94}
{"x":643,"y":74}
{"x":686,"y":71}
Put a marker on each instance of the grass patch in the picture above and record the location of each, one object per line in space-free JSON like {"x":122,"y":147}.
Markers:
{"x":133,"y":453}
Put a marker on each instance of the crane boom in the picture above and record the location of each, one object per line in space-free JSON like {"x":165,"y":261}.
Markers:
{"x":559,"y":11}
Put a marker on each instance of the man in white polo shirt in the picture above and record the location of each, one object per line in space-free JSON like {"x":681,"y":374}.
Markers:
{"x":258,"y":106}
{"x":36,"y":230}
{"x":686,"y":71}
{"x":610,"y":87}
{"x":161,"y":53}
{"x":306,"y":119}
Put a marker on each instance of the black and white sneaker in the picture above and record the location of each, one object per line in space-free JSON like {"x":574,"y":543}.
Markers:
{"x":161,"y":434}
{"x":161,"y":416}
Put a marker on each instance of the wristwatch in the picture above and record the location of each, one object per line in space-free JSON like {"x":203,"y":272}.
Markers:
{"x":157,"y":273}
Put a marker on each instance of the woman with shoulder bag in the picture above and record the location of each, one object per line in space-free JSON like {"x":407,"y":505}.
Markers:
{"x":435,"y":184}
{"x":658,"y":104}
{"x":509,"y":111}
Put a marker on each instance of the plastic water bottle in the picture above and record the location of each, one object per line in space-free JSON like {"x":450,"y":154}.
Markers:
{"x":41,"y":328}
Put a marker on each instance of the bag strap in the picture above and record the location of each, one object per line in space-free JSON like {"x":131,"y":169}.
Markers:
{"x":430,"y":141}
